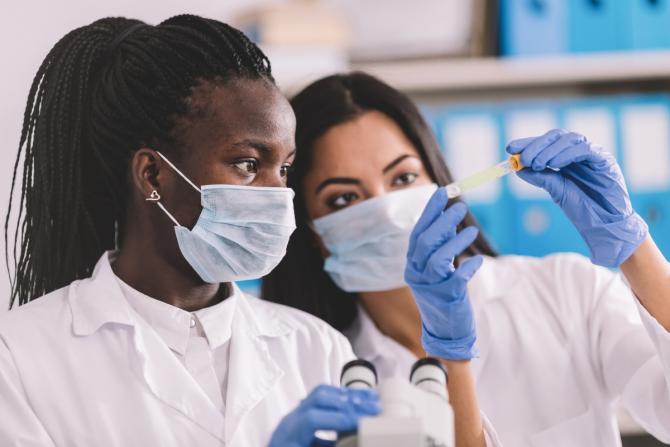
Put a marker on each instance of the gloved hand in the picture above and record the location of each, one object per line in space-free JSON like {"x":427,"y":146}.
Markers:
{"x":586,"y":182}
{"x":439,"y":288}
{"x":325,"y":408}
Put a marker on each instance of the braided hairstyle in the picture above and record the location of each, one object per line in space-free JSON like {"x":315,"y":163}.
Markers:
{"x":104,"y":91}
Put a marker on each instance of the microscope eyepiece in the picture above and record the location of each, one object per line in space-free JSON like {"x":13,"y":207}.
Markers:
{"x":429,"y":374}
{"x":359,"y":374}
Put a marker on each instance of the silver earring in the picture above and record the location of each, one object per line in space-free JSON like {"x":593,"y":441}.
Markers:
{"x":154,"y":197}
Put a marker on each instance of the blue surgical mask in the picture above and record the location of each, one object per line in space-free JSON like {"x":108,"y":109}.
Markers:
{"x":241,"y":233}
{"x":368,"y":241}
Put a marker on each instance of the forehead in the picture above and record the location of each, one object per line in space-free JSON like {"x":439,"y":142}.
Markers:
{"x":370,"y":141}
{"x":237,"y":110}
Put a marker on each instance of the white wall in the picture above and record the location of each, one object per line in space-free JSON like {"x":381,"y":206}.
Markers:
{"x":29,"y":28}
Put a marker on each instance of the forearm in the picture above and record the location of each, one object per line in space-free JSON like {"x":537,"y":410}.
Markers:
{"x":648,"y":273}
{"x":463,"y":399}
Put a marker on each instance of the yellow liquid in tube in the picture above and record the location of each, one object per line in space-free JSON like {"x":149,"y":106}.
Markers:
{"x":512,"y":164}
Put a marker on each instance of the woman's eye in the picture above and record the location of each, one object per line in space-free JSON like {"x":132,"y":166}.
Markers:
{"x":286,"y":170}
{"x":405,"y":179}
{"x":343,"y":200}
{"x":248,"y":167}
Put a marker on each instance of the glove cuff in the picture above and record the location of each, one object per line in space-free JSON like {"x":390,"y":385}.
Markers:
{"x":457,"y":349}
{"x":612,"y":244}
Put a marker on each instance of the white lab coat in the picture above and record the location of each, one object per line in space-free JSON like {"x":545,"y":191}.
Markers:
{"x":78,"y":367}
{"x":561,"y":342}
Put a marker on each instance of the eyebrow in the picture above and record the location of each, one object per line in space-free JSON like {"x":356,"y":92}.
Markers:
{"x":259,"y":145}
{"x":397,"y":161}
{"x":253,"y":143}
{"x":353,"y":181}
{"x":337,"y":181}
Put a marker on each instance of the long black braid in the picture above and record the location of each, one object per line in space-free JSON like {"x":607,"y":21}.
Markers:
{"x":103,"y":91}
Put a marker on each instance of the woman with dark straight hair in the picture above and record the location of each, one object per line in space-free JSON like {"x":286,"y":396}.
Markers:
{"x":154,"y":177}
{"x":384,"y":255}
{"x":300,"y":280}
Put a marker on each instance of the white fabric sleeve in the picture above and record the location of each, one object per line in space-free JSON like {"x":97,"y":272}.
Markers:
{"x":341,"y":354}
{"x":490,"y":434}
{"x":633,"y":351}
{"x":19,"y":426}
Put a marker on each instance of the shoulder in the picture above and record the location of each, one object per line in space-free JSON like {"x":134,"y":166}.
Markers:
{"x":288,"y":319}
{"x":567,"y":282}
{"x":40,"y":312}
{"x":299,"y":335}
{"x":575,"y":271}
{"x":45,"y":316}
{"x":558,"y":266}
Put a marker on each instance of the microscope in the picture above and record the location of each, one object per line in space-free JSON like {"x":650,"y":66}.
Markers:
{"x":415,"y":413}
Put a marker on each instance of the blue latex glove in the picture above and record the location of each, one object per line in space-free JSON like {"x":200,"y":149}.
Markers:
{"x":438,"y":287}
{"x":326,"y":408}
{"x":590,"y":189}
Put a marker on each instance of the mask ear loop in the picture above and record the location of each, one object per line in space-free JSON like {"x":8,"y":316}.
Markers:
{"x":179,"y":172}
{"x":155,"y":197}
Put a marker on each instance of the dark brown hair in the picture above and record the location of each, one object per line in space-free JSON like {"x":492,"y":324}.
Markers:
{"x":300,"y":280}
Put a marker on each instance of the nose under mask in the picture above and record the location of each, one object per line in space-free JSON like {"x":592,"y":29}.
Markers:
{"x":241,"y":233}
{"x":368,"y":241}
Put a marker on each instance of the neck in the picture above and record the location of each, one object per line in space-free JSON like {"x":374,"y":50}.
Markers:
{"x":395,"y":313}
{"x":143,"y":269}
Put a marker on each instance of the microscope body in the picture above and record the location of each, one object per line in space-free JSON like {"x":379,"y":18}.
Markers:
{"x":415,"y":414}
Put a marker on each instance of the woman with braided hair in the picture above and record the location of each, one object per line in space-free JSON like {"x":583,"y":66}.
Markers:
{"x":154,"y":162}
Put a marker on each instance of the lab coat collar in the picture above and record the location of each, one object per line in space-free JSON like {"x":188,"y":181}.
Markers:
{"x":216,"y":321}
{"x":367,"y":340}
{"x":171,"y":323}
{"x":252,"y":374}
{"x":261,"y":320}
{"x":98,"y":300}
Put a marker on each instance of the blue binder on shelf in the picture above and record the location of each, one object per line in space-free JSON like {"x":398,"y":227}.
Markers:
{"x":471,"y":140}
{"x":595,"y":118}
{"x":650,"y":23}
{"x":533,"y":27}
{"x":644,"y":127}
{"x":598,"y":25}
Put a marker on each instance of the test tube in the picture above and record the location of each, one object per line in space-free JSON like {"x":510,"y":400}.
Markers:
{"x":512,"y":164}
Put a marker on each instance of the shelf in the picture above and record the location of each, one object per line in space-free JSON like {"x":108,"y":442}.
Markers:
{"x":444,"y":75}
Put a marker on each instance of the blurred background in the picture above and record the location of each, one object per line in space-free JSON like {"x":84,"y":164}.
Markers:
{"x":483,"y":71}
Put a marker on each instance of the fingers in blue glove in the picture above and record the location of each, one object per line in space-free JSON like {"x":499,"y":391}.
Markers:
{"x":565,"y":143}
{"x":522,"y":144}
{"x":334,"y":398}
{"x":469,"y":267}
{"x":516,"y":146}
{"x":583,"y":152}
{"x":298,"y":429}
{"x":433,"y":210}
{"x":550,"y":181}
{"x":441,"y":262}
{"x":325,"y":408}
{"x":530,"y":147}
{"x":437,"y":234}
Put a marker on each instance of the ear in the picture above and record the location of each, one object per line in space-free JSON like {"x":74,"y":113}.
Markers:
{"x":145,"y":167}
